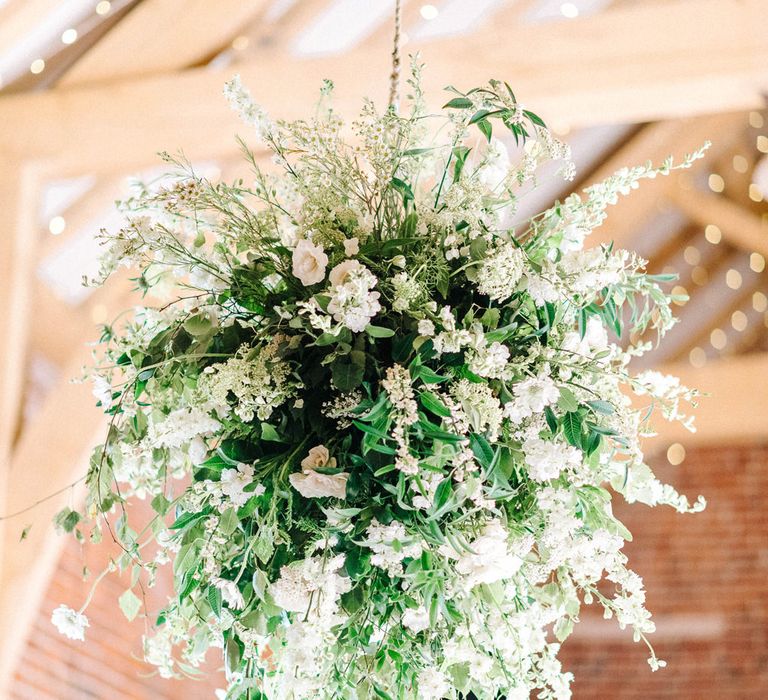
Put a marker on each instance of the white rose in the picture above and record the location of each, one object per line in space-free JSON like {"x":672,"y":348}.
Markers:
{"x":315,"y":485}
{"x":339,"y":273}
{"x":310,"y":484}
{"x":309,"y":262}
{"x":318,"y":457}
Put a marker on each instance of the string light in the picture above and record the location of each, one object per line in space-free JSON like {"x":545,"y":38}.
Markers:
{"x":762,"y":144}
{"x":240,"y":43}
{"x":716,"y":182}
{"x":697,"y":357}
{"x":429,"y":12}
{"x":718,"y":339}
{"x":740,"y":164}
{"x":569,"y":10}
{"x":680,"y":291}
{"x":69,"y":36}
{"x":759,"y":302}
{"x":675,"y":454}
{"x":756,"y":120}
{"x":692,"y":255}
{"x":57,"y":225}
{"x":756,"y":262}
{"x":739,"y":321}
{"x":755,"y":194}
{"x":733,"y":279}
{"x":713,"y":234}
{"x":37,"y":66}
{"x":700,"y":276}
{"x":103,"y":7}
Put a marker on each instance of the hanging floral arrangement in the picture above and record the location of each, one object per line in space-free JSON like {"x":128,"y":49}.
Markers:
{"x":379,"y":425}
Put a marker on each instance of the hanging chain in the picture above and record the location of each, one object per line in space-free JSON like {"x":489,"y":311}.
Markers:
{"x":394,"y":78}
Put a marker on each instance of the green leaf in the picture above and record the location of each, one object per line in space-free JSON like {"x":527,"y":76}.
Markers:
{"x":348,"y":371}
{"x":433,"y":403}
{"x":269,"y":433}
{"x":486,"y":128}
{"x":214,"y":600}
{"x":66,"y":520}
{"x":130,"y":604}
{"x":160,"y":504}
{"x":549,"y":414}
{"x":481,"y":449}
{"x":229,"y":521}
{"x":403,"y":188}
{"x":572,"y":428}
{"x":429,"y":376}
{"x":379,"y":332}
{"x":370,"y":430}
{"x":601,"y":407}
{"x":189,"y":518}
{"x":458,"y":103}
{"x":568,"y":400}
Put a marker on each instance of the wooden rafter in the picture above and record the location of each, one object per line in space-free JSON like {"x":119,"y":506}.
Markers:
{"x":739,"y":226}
{"x":734,"y":409}
{"x":192,"y":32}
{"x":567,"y":72}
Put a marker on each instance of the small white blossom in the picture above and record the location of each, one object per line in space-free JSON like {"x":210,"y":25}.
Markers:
{"x":69,"y":622}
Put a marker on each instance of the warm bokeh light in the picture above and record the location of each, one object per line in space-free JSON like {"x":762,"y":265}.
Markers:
{"x":713,"y":234}
{"x":733,"y":279}
{"x":675,"y":454}
{"x":429,"y":12}
{"x":739,"y":321}
{"x":69,"y":36}
{"x":692,"y":255}
{"x":718,"y":339}
{"x":37,"y":66}
{"x":57,"y":225}
{"x":697,"y":357}
{"x":716,"y":182}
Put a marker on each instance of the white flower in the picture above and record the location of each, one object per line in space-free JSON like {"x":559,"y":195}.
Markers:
{"x":488,"y":361}
{"x":318,"y":456}
{"x":573,"y":238}
{"x":69,"y":622}
{"x":546,"y":459}
{"x":309,"y":262}
{"x":532,"y":395}
{"x":490,"y":559}
{"x":351,"y":247}
{"x":234,"y":481}
{"x":390,"y":544}
{"x":501,"y":271}
{"x":102,"y":390}
{"x":230,"y":593}
{"x":433,"y":684}
{"x":426,"y":327}
{"x":495,"y":166}
{"x":312,"y":484}
{"x":197,"y":450}
{"x":416,"y":619}
{"x":339,"y":274}
{"x":352,"y":303}
{"x":311,"y":586}
{"x":180,"y":426}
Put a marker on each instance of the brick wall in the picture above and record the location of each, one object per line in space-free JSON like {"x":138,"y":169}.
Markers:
{"x":706,"y":574}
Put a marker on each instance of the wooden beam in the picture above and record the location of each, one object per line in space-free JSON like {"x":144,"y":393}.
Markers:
{"x":655,"y":142}
{"x":735,"y":410}
{"x":163,"y":35}
{"x":637,"y":63}
{"x":18,"y":238}
{"x":739,"y":226}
